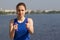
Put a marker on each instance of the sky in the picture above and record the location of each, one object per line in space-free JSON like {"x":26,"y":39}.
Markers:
{"x":31,"y":4}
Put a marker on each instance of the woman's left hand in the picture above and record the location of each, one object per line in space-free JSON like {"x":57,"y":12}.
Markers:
{"x":27,"y":25}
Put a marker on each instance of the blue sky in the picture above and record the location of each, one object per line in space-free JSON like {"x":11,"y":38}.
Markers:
{"x":31,"y":4}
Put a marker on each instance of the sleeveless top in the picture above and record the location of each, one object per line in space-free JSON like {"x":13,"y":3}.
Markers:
{"x":22,"y":32}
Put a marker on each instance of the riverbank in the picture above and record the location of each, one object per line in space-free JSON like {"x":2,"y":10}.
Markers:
{"x":11,"y":12}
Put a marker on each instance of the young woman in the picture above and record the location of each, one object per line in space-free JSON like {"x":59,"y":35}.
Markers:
{"x":21,"y":27}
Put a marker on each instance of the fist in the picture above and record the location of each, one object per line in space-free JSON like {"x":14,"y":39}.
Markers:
{"x":15,"y":26}
{"x":27,"y":25}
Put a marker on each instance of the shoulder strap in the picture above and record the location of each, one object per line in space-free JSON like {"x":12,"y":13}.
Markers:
{"x":26,"y":20}
{"x":15,"y":20}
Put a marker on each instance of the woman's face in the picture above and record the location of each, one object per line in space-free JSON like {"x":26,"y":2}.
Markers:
{"x":21,"y":11}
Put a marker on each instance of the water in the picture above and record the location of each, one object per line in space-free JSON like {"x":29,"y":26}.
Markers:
{"x":46,"y":26}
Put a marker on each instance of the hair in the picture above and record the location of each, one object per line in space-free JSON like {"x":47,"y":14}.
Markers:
{"x":21,"y":3}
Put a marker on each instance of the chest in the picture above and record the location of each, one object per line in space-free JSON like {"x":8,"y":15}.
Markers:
{"x":21,"y":28}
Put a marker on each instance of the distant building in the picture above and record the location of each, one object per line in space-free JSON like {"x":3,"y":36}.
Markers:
{"x":10,"y":10}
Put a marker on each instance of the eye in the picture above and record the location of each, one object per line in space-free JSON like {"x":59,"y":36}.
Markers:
{"x":20,"y":10}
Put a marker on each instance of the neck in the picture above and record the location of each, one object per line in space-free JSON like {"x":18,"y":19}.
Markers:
{"x":21,"y":18}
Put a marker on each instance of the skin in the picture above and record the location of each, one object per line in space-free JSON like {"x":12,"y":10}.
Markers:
{"x":20,"y":15}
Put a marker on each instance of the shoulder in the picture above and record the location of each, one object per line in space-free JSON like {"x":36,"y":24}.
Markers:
{"x":30,"y":20}
{"x":12,"y":20}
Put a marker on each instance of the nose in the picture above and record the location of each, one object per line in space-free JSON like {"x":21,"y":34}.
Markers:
{"x":20,"y":11}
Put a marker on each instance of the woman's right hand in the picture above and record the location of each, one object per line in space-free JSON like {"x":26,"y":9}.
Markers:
{"x":15,"y":26}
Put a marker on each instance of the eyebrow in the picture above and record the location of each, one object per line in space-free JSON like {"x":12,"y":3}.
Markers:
{"x":21,"y":10}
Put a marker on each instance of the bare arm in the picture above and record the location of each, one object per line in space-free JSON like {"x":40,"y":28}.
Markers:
{"x":11,"y":30}
{"x":30,"y":26}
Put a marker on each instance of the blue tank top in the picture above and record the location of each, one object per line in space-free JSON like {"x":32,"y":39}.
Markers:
{"x":22,"y":32}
